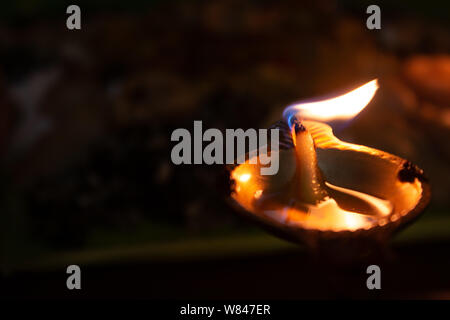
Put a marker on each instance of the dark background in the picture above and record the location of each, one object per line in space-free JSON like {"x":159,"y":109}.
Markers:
{"x":85,"y":124}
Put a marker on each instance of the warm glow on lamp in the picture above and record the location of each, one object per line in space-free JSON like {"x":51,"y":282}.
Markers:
{"x":244,"y":177}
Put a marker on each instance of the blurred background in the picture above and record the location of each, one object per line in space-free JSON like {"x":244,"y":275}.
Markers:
{"x":85,"y":123}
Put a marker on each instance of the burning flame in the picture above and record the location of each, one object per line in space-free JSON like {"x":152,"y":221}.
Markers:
{"x":343,"y":107}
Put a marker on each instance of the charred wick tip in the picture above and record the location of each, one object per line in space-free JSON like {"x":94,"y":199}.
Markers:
{"x":299,"y":127}
{"x":409,"y":172}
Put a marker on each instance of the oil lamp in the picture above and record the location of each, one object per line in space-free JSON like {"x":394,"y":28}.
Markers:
{"x":327,"y":189}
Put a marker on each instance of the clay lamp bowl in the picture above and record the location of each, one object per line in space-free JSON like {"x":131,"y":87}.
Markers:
{"x":327,"y":190}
